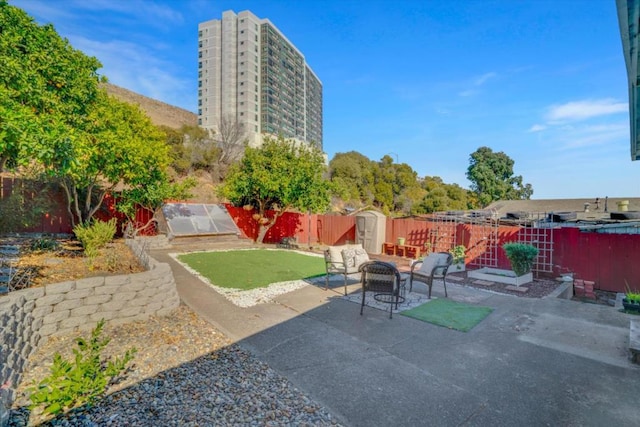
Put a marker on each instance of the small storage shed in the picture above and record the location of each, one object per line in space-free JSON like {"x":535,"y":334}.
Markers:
{"x":371,"y":227}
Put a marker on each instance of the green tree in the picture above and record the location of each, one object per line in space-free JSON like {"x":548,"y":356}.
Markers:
{"x":279,"y":176}
{"x":353,"y":175}
{"x":46,"y":87}
{"x":389,"y":186}
{"x":492,"y":178}
{"x":409,"y":200}
{"x":441,"y":196}
{"x":194,"y":148}
{"x":151,"y":197}
{"x":178,"y":151}
{"x":117,"y":145}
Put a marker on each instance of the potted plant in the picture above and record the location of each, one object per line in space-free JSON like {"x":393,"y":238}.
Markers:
{"x":521,"y":256}
{"x":458,"y":253}
{"x":631,"y":300}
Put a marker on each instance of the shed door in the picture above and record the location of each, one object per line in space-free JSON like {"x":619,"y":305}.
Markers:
{"x":365,"y":230}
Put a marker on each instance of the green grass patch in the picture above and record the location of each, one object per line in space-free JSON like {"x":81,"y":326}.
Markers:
{"x":251,"y":269}
{"x":449,"y":313}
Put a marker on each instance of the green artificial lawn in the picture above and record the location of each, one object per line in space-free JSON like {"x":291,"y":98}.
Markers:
{"x":449,"y":313}
{"x":250,"y":269}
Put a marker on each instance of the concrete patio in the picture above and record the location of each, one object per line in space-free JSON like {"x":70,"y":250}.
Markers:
{"x":543,"y":361}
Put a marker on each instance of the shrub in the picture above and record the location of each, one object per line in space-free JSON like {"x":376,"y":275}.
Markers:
{"x":45,"y":244}
{"x":81,"y":381}
{"x":458,"y":253}
{"x":631,"y":295}
{"x":521,"y":256}
{"x":95,"y":235}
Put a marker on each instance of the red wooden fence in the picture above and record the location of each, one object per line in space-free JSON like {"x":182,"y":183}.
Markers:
{"x":610,"y":260}
{"x":56,"y":220}
{"x":308,"y":229}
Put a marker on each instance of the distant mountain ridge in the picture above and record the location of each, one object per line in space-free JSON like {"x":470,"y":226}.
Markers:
{"x":161,"y":114}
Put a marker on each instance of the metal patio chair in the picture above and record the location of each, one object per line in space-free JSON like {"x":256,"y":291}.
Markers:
{"x":384,"y":281}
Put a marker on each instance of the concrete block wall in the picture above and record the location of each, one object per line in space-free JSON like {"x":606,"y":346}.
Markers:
{"x":28,"y":317}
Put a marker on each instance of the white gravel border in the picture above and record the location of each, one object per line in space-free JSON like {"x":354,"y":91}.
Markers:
{"x":252,"y":297}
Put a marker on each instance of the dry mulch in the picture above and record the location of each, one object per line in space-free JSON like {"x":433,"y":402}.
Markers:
{"x":67,"y":262}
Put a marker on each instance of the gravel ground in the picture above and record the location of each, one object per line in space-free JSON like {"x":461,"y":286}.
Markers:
{"x":186,"y":373}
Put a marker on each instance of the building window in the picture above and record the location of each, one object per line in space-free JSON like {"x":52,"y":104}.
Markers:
{"x":241,"y":43}
{"x":200,"y":122}
{"x":200,"y":33}
{"x":199,"y":64}
{"x":242,"y":114}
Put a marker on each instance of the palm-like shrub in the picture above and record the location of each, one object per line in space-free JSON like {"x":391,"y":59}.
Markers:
{"x":521,"y":256}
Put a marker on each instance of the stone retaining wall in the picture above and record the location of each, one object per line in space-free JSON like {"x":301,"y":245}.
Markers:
{"x":28,"y":317}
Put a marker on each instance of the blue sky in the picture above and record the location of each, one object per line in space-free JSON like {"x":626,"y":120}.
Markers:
{"x":427,"y":82}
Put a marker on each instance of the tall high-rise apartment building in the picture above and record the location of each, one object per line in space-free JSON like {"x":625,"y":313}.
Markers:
{"x":248,"y":71}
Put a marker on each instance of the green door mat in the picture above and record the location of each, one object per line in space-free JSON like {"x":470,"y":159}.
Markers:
{"x":450,"y":314}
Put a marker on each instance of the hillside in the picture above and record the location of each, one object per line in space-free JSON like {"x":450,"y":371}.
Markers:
{"x":160,"y":113}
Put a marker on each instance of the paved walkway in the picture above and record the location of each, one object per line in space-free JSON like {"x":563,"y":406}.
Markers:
{"x":531,"y":362}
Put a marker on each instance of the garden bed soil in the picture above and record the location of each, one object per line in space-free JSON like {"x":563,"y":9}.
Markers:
{"x":538,"y":288}
{"x":67,"y":262}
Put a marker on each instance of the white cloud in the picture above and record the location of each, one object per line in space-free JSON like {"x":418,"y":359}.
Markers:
{"x":136,"y":68}
{"x":537,"y":128}
{"x":582,"y":110}
{"x":588,"y":136}
{"x":477,"y":82}
{"x":483,"y":78}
